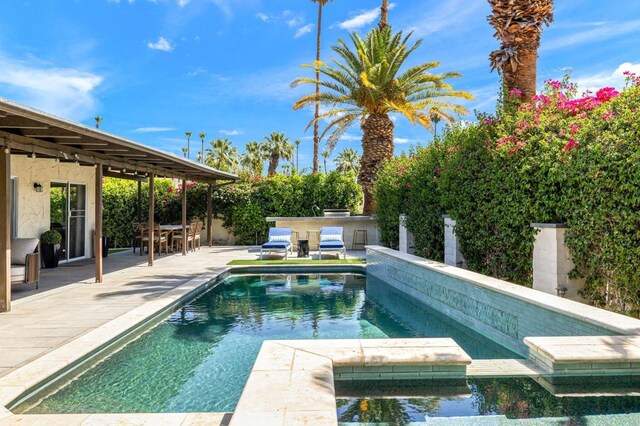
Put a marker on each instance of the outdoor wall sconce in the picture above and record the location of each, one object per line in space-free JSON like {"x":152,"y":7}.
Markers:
{"x":562,"y":291}
{"x":37,"y":186}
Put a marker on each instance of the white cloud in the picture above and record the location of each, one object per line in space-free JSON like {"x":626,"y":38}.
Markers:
{"x":453,"y":15}
{"x":66,"y":92}
{"x":603,"y":31}
{"x":614,"y":78}
{"x":364,"y":18}
{"x":303,"y":30}
{"x":262,"y":16}
{"x":224,"y":7}
{"x":162,"y":44}
{"x":231,"y":132}
{"x":183,"y":3}
{"x":153,"y":129}
{"x":403,"y":140}
{"x":349,"y":137}
{"x":296,"y":21}
{"x":196,"y":71}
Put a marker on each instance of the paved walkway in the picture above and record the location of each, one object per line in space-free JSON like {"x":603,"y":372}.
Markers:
{"x":69,"y":303}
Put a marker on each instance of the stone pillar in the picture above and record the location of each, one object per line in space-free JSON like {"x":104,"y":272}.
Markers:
{"x":407,"y":244}
{"x":552,"y":262}
{"x":452,"y":254}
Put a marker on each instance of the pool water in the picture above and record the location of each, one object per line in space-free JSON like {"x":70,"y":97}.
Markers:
{"x":512,"y":398}
{"x":199,"y":358}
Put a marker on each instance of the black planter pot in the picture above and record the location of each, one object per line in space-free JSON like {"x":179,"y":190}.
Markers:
{"x":50,"y":255}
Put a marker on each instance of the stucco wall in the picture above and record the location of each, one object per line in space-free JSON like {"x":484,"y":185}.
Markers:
{"x":33,"y":207}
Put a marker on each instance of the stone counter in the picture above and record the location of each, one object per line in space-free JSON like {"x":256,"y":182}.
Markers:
{"x":350,"y":223}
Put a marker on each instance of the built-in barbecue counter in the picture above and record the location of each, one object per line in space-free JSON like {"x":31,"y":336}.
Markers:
{"x":331,"y":217}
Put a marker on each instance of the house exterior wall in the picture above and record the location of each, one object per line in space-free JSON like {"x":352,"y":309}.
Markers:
{"x":33,"y":208}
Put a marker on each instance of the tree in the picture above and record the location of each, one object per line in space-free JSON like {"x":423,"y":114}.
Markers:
{"x":222,"y":155}
{"x":347,"y":161}
{"x":98,"y":121}
{"x":518,"y":25}
{"x":201,"y":153}
{"x":435,"y":119}
{"x":188,"y":155}
{"x":252,"y":158}
{"x":384,"y":14}
{"x":325,"y":155}
{"x":297,"y":156}
{"x":316,"y":123}
{"x":185,"y":150}
{"x":366,"y":85}
{"x":277,"y":146}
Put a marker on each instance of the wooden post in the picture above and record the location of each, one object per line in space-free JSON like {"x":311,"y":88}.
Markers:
{"x":209,"y":216}
{"x":5,"y":229}
{"x":97,"y":238}
{"x":151,"y":213}
{"x":184,"y":217}
{"x":139,"y":205}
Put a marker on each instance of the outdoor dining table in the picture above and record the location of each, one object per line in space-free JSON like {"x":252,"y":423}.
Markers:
{"x":171,"y":228}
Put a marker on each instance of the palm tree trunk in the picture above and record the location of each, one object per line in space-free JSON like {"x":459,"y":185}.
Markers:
{"x":377,"y":149}
{"x":524,"y":78}
{"x":384,"y":14}
{"x":273,"y":165}
{"x":316,"y":138}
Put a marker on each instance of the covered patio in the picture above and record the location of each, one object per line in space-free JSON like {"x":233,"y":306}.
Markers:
{"x":39,"y":151}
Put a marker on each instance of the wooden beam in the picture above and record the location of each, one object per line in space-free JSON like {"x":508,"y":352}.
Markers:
{"x":209,"y":216}
{"x":54,"y":136}
{"x":151,"y":213}
{"x":19,"y":126}
{"x":5,"y":229}
{"x":184,"y":217}
{"x":97,"y":239}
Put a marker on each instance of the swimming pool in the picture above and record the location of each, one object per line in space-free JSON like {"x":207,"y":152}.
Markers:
{"x":198,"y":359}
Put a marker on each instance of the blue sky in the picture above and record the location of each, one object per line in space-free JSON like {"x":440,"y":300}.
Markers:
{"x":155,"y":69}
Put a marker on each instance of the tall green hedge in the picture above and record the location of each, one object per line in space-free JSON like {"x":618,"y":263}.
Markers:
{"x":242,"y":206}
{"x":567,"y":159}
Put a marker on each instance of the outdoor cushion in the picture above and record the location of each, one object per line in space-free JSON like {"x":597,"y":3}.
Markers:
{"x":280,"y":238}
{"x":20,"y":248}
{"x":331,"y":245}
{"x":276,"y":245}
{"x":331,"y":237}
{"x":17,"y":273}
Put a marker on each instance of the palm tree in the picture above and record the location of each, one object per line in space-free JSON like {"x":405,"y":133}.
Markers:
{"x":252,"y":158}
{"x":384,"y":14}
{"x":201,"y":156}
{"x":435,"y":119}
{"x":367,"y":85}
{"x":297,"y":156}
{"x":277,"y":146}
{"x":518,"y":25}
{"x":316,"y":123}
{"x":188,"y":134}
{"x":347,"y":161}
{"x":222,"y":155}
{"x":98,"y":121}
{"x":185,"y":150}
{"x":325,"y":155}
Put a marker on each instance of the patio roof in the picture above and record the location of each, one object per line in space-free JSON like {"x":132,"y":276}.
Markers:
{"x":32,"y":132}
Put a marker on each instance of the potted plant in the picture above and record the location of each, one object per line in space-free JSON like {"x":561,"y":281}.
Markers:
{"x":50,"y":248}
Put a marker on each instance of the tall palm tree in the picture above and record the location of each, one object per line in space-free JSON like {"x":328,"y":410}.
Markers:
{"x":201,"y":156}
{"x":347,"y":160}
{"x":252,"y":158}
{"x":222,"y":155}
{"x":277,"y":146}
{"x":98,"y":121}
{"x":518,"y":25}
{"x":366,"y":85}
{"x":316,"y":123}
{"x":188,"y":134}
{"x":325,"y":155}
{"x":384,"y":14}
{"x":297,"y":155}
{"x":435,"y":119}
{"x":185,"y":150}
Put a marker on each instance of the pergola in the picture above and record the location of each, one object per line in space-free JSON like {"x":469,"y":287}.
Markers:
{"x":25,"y":131}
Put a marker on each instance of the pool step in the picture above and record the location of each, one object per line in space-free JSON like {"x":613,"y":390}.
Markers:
{"x":493,"y":368}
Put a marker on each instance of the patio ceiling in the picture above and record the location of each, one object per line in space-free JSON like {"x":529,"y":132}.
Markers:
{"x":31,"y":132}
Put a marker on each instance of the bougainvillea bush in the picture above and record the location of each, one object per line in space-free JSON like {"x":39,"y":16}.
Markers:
{"x":566,"y":158}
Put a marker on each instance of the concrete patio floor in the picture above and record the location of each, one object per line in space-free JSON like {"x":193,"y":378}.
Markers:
{"x":69,"y":303}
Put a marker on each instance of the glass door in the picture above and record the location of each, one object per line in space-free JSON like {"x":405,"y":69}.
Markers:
{"x":68,"y":216}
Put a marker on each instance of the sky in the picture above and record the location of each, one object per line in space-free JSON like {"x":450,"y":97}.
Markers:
{"x":155,"y":69}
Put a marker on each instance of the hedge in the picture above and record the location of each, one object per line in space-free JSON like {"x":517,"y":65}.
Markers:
{"x":565,"y":159}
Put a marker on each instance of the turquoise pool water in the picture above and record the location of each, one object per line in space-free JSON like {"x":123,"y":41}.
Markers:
{"x":198,"y":359}
{"x":511,"y":398}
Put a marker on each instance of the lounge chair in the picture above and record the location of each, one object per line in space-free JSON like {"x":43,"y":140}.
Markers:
{"x":331,"y":240}
{"x":279,"y":240}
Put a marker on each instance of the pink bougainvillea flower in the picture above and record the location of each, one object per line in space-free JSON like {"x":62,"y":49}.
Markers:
{"x":516,"y":92}
{"x":607,"y":115}
{"x":574,"y":128}
{"x":571,"y":145}
{"x":606,"y":93}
